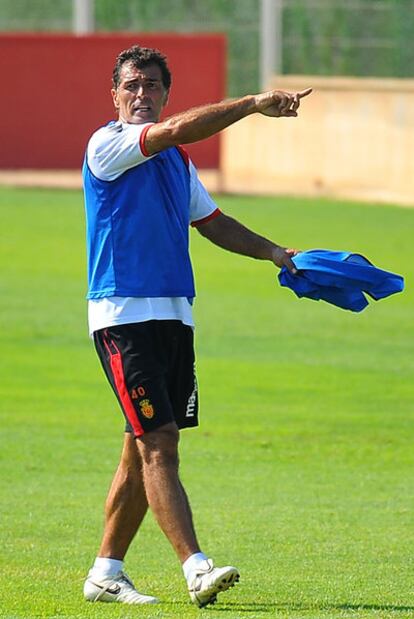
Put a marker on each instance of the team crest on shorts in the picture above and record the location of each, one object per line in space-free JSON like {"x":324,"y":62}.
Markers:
{"x":147,"y":409}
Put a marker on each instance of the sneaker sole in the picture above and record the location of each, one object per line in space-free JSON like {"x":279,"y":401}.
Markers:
{"x":226,"y":582}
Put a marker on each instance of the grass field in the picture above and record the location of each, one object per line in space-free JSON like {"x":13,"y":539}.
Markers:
{"x":302,"y":471}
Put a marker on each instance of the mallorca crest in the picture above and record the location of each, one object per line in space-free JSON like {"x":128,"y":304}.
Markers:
{"x":147,"y":409}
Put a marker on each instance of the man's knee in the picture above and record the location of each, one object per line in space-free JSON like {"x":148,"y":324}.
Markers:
{"x":160,"y":446}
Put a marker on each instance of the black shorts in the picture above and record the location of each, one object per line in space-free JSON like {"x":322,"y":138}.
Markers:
{"x":151,"y":368}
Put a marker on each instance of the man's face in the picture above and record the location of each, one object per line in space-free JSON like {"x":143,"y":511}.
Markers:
{"x":141,"y":95}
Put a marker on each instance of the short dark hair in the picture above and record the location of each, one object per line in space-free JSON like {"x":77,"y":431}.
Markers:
{"x":141,"y":57}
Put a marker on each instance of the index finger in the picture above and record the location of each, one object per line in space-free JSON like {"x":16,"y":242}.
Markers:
{"x":304,"y":93}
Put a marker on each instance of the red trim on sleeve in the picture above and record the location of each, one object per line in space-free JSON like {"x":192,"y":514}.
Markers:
{"x":115,"y":360}
{"x":184,"y":155}
{"x":142,"y":140}
{"x":204,"y":220}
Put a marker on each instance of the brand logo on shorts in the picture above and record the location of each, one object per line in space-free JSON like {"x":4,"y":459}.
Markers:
{"x":190,"y":410}
{"x":147,"y":409}
{"x":192,"y":400}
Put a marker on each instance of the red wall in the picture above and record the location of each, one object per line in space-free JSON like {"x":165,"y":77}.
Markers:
{"x":56,"y":92}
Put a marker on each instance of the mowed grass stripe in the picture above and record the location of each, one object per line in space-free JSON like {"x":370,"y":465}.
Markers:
{"x":301,"y":472}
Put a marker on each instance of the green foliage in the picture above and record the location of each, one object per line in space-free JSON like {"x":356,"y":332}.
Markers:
{"x":361,"y":38}
{"x":301,"y":471}
{"x":37,"y":15}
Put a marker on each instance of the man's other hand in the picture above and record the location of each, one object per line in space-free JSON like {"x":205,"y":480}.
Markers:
{"x":283,"y":257}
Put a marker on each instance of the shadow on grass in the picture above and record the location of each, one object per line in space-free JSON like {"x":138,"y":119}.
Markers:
{"x":272,"y":608}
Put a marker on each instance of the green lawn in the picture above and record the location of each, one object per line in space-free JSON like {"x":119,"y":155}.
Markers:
{"x":302,"y":471}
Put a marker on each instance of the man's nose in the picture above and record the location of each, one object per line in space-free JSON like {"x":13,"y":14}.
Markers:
{"x":140,"y":90}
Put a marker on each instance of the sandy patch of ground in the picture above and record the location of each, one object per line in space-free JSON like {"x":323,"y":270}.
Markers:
{"x":71,"y":179}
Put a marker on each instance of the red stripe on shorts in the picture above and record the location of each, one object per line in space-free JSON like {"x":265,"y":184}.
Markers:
{"x":119,"y":378}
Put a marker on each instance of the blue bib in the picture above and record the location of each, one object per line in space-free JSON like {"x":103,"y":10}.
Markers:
{"x":137,"y":230}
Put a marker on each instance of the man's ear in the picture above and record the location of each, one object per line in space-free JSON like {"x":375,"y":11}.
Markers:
{"x":114,"y":93}
{"x":166,"y":97}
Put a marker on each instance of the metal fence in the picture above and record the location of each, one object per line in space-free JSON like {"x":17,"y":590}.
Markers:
{"x":320,"y":37}
{"x":349,"y":37}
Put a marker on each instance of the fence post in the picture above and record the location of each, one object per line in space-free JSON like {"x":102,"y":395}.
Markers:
{"x":83,"y":16}
{"x":271,"y":43}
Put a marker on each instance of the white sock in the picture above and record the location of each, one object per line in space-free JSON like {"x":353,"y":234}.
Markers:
{"x":191,"y":563}
{"x":104,"y":566}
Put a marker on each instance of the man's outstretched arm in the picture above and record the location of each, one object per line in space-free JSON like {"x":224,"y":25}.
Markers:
{"x":202,"y":122}
{"x":230,"y":234}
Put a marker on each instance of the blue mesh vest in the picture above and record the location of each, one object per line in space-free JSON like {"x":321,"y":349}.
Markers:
{"x":137,"y":230}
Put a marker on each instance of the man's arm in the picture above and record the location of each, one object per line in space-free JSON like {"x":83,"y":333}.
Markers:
{"x":202,"y":122}
{"x":229,"y":234}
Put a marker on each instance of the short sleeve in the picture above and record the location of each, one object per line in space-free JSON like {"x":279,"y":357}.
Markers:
{"x":202,"y":207}
{"x":115,"y":148}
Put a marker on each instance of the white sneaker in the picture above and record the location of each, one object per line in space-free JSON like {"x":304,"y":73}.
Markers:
{"x":206,"y":581}
{"x":118,"y":588}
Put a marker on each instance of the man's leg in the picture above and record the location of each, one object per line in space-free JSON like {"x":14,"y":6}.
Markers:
{"x":169,"y":503}
{"x":125,"y":508}
{"x":126,"y":504}
{"x":165,"y":493}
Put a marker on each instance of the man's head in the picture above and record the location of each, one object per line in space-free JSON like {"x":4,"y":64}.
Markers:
{"x":141,"y":83}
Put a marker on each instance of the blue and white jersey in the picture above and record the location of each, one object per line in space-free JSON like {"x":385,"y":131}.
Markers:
{"x":138,"y":210}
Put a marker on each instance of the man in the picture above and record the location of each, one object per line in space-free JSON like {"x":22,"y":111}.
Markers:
{"x":141,"y":194}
